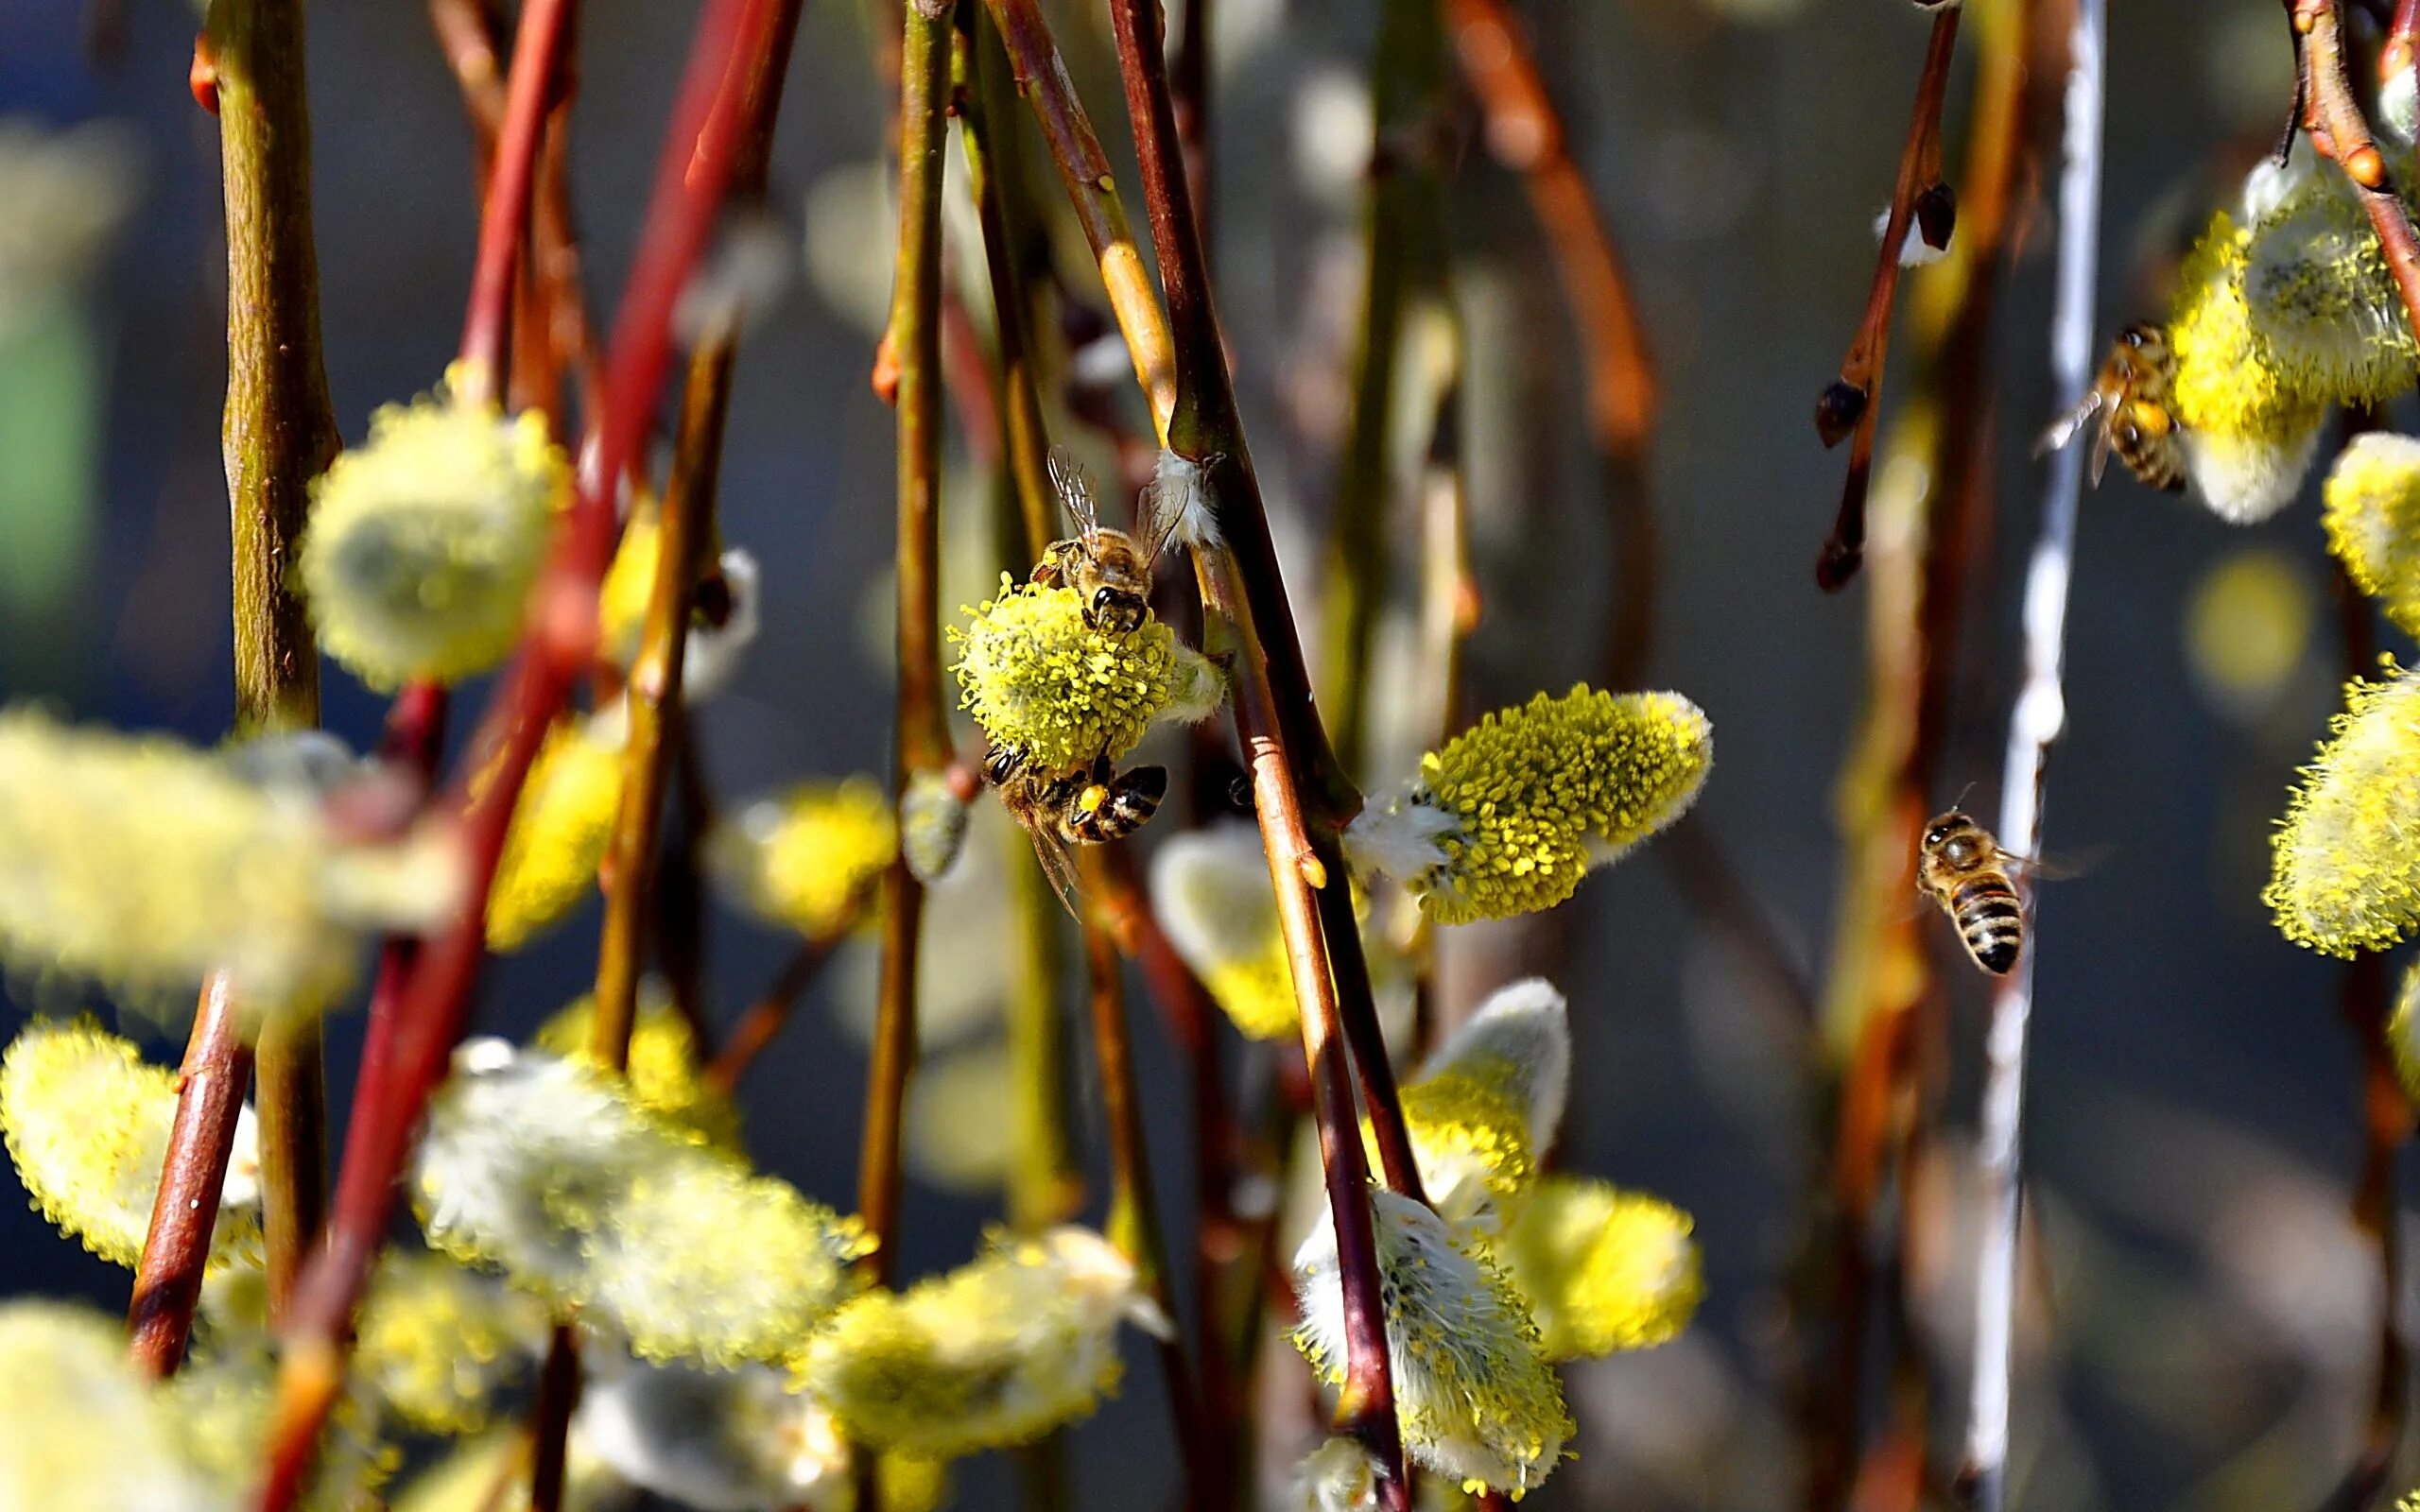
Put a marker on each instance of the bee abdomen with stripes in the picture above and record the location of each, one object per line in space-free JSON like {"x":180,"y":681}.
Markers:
{"x":1962,"y":867}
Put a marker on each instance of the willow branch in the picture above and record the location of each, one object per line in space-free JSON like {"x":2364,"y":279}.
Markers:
{"x":2338,"y":131}
{"x":1404,"y":227}
{"x":2039,"y":715}
{"x":279,"y":434}
{"x":987,"y":129}
{"x":210,"y":1098}
{"x":1134,"y":1217}
{"x":1525,"y":133}
{"x":1847,"y":408}
{"x":2402,"y":32}
{"x":765,"y":1017}
{"x":923,"y":738}
{"x":538,"y":50}
{"x":433,"y":1004}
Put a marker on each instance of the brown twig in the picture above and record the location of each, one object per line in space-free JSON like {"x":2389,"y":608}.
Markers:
{"x":769,"y":1013}
{"x":1296,"y":780}
{"x":2338,"y":131}
{"x":210,"y":1097}
{"x":1403,"y":252}
{"x":1133,"y":1217}
{"x":432,"y":1004}
{"x":539,"y":49}
{"x":2395,"y":53}
{"x":1847,"y":408}
{"x":923,"y":738}
{"x":1525,"y":133}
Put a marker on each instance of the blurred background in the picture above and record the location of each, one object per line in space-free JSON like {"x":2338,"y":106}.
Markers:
{"x":2205,"y":1313}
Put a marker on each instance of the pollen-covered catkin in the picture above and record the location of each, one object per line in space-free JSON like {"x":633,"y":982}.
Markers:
{"x":1039,"y":680}
{"x":2345,"y":876}
{"x":663,"y":1072}
{"x":2248,"y":427}
{"x":2321,"y":296}
{"x":2373,"y":520}
{"x":543,"y":1168}
{"x":1510,"y":815}
{"x":1478,"y":1399}
{"x":1212,"y":893}
{"x":83,"y":1431}
{"x":998,"y":1353}
{"x":1603,"y":1269}
{"x":1486,"y":1104}
{"x":806,"y":858}
{"x":87,"y":1123}
{"x":424,"y":540}
{"x":440,"y":1345}
{"x":146,"y":865}
{"x":560,"y":829}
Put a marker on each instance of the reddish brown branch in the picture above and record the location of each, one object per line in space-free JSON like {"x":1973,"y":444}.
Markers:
{"x":433,"y":1004}
{"x":539,"y":49}
{"x":210,"y":1097}
{"x":1847,"y":408}
{"x":2338,"y":131}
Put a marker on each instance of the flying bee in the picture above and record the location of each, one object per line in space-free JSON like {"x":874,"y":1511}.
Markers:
{"x":1109,"y":569}
{"x":1962,"y":867}
{"x":2128,"y":408}
{"x":1089,"y":806}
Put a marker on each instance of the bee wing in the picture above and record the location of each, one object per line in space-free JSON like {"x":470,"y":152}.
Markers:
{"x":2065,"y":869}
{"x":1057,"y":864}
{"x":1163,"y":506}
{"x":1074,"y":492}
{"x":2061,"y":433}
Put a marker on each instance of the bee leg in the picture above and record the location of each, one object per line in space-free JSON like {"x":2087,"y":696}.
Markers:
{"x":1001,"y":764}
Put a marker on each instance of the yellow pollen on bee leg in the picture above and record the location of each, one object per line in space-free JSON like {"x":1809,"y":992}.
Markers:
{"x":1092,"y":799}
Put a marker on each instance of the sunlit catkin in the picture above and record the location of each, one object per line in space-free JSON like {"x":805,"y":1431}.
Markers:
{"x":559,"y":834}
{"x":1212,"y":893}
{"x":146,"y":865}
{"x":2403,"y":1033}
{"x":2248,"y":427}
{"x":1510,"y":815}
{"x":87,"y":1123}
{"x":665,"y":1073}
{"x":1486,"y":1106}
{"x":1478,"y":1399}
{"x":997,"y":1353}
{"x":2321,"y":296}
{"x":541,"y":1167}
{"x":2373,"y":520}
{"x":2345,"y":874}
{"x":806,"y":858}
{"x":424,"y":540}
{"x":1603,"y":1269}
{"x":439,"y":1345}
{"x":83,"y":1432}
{"x":1040,"y":679}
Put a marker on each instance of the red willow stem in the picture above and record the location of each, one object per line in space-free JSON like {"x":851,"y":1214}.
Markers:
{"x":2396,"y":54}
{"x":434,"y":1003}
{"x":1847,"y":406}
{"x":537,"y":55}
{"x":2338,"y":131}
{"x":769,"y":1013}
{"x":210,"y":1098}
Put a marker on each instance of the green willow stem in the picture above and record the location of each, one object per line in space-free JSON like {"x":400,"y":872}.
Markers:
{"x":1403,"y":249}
{"x":279,"y":433}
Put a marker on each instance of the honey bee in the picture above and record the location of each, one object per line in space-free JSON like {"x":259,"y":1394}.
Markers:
{"x":1962,"y":867}
{"x":1109,"y":569}
{"x":2130,"y":401}
{"x":1085,"y":807}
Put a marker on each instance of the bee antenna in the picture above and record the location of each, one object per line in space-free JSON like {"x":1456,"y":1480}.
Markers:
{"x":1960,"y":801}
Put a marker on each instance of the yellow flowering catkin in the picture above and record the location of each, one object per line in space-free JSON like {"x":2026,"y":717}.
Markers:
{"x":2345,"y":875}
{"x":424,"y":540}
{"x":2321,"y":296}
{"x":2403,"y":1033}
{"x":806,"y":858}
{"x":1603,"y":1269}
{"x":1515,"y":811}
{"x":1040,"y":679}
{"x":438,"y":1346}
{"x":560,"y":827}
{"x":2249,"y":427}
{"x":1487,"y":1103}
{"x":146,"y":865}
{"x":1212,"y":893}
{"x":545,"y":1169}
{"x":82,"y":1430}
{"x":998,"y":1353}
{"x":664,"y":1073}
{"x":1478,"y":1399}
{"x":87,"y":1123}
{"x":2373,"y":520}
